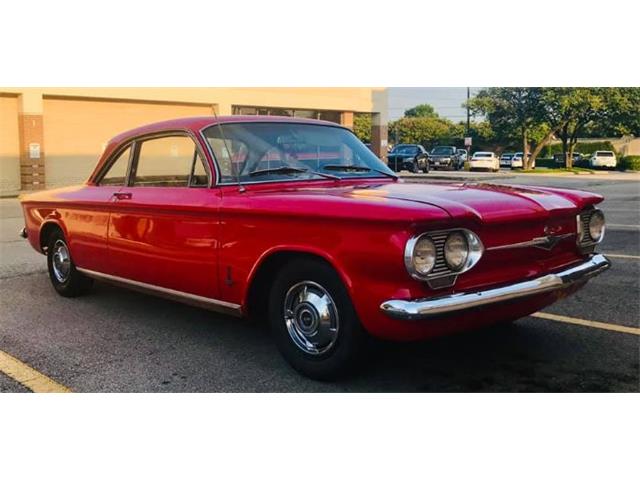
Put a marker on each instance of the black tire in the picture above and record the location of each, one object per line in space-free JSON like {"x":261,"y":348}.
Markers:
{"x":74,"y":283}
{"x":344,"y":353}
{"x":413,"y":168}
{"x":426,"y":169}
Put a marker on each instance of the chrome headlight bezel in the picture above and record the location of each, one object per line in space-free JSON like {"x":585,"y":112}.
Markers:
{"x":584,"y":239}
{"x":410,"y":256}
{"x":441,"y":269}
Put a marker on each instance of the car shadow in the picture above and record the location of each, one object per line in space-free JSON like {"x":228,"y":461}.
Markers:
{"x":180,"y":348}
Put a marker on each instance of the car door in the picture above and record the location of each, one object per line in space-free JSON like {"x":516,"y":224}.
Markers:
{"x":87,"y":222}
{"x":163,"y":227}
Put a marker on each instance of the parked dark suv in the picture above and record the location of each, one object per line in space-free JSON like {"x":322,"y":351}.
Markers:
{"x":408,"y":156}
{"x":445,"y":157}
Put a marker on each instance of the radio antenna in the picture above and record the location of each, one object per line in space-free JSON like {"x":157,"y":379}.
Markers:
{"x":226,"y":147}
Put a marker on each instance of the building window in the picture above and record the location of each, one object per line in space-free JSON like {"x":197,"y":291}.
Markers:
{"x":328,"y":115}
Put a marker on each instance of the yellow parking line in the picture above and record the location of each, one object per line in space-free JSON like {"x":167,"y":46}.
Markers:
{"x":588,"y":323}
{"x":619,"y":255}
{"x":27,"y":376}
{"x":619,"y":225}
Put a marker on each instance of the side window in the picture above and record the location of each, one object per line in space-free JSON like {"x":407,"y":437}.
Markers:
{"x":117,"y":173}
{"x":199,"y":176}
{"x":232,"y":156}
{"x":169,"y":162}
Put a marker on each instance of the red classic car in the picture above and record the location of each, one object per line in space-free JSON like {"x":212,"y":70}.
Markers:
{"x":299,"y":221}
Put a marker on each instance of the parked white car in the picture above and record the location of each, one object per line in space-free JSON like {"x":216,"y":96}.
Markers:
{"x":505,"y":159}
{"x":603,"y":158}
{"x":484,"y":160}
{"x":516,"y":160}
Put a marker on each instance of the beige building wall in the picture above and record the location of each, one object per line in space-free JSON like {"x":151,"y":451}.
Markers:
{"x":9,"y":146}
{"x":77,"y":131}
{"x":72,"y":125}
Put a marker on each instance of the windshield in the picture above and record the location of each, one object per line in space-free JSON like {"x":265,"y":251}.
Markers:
{"x":604,"y":154}
{"x":482,"y":155}
{"x":283,"y":151}
{"x":507,"y":156}
{"x":443,"y":151}
{"x":406,"y":149}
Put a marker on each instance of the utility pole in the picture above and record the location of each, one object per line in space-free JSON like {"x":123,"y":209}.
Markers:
{"x":468,"y":113}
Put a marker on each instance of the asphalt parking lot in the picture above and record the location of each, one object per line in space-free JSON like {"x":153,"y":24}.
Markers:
{"x":114,"y":340}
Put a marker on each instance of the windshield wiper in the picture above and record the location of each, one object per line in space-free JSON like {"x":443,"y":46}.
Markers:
{"x":267,"y":171}
{"x":288,"y":169}
{"x":357,"y":168}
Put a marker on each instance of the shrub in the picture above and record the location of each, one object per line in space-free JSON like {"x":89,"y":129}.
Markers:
{"x":585,"y":148}
{"x":546,"y":163}
{"x":630,"y":162}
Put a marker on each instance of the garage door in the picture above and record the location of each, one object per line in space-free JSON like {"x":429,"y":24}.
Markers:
{"x":9,"y":146}
{"x":76,"y":131}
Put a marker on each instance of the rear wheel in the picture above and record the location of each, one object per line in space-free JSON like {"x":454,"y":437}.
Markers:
{"x":64,"y":276}
{"x":313,"y":321}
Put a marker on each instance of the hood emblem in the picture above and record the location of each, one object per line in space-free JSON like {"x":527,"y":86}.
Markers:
{"x":546,"y":243}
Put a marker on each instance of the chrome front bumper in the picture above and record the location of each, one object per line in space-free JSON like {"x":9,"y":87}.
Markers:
{"x":430,"y":307}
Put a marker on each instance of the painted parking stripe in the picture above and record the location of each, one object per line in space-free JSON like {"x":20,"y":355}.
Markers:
{"x":619,"y":226}
{"x":619,"y":255}
{"x":587,"y":323}
{"x":29,"y":377}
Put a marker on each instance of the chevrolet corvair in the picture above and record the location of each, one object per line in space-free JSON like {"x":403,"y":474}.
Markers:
{"x":298,"y":221}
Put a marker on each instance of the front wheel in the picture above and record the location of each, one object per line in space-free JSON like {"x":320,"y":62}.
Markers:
{"x":313,"y":321}
{"x":64,"y":276}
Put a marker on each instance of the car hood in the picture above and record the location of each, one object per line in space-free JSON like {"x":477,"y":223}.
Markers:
{"x":401,"y":155}
{"x":486,"y":203}
{"x":389,"y":201}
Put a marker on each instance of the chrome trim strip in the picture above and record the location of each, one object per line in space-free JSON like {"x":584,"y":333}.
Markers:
{"x":189,"y":298}
{"x":428,"y":308}
{"x":536,"y":242}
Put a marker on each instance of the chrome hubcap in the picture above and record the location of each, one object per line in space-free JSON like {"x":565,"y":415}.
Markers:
{"x":61,"y":261}
{"x":311,"y":317}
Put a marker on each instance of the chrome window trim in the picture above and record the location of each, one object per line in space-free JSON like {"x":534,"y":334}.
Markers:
{"x":98,"y":177}
{"x":134,"y":142}
{"x":476,"y":250}
{"x":189,"y":298}
{"x":138,"y":140}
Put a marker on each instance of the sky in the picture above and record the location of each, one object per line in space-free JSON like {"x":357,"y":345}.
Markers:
{"x":446,"y":100}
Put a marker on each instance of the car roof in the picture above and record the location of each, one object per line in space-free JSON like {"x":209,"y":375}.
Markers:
{"x":198,"y":123}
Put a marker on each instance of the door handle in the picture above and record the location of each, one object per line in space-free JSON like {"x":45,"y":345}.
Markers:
{"x":122,"y":196}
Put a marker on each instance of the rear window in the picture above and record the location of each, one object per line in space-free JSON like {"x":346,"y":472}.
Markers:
{"x":482,"y":155}
{"x":604,"y":154}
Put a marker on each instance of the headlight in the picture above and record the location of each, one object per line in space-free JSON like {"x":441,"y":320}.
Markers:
{"x":596,"y":226}
{"x":424,"y":256}
{"x":456,"y":251}
{"x":438,"y":257}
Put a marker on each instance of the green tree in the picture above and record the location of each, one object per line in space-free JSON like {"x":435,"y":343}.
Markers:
{"x":423,"y":110}
{"x":513,"y":112}
{"x":362,"y":126}
{"x":422,"y":130}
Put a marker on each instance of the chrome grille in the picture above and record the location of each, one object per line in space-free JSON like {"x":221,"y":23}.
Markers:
{"x":585,"y":238}
{"x":440,"y":268}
